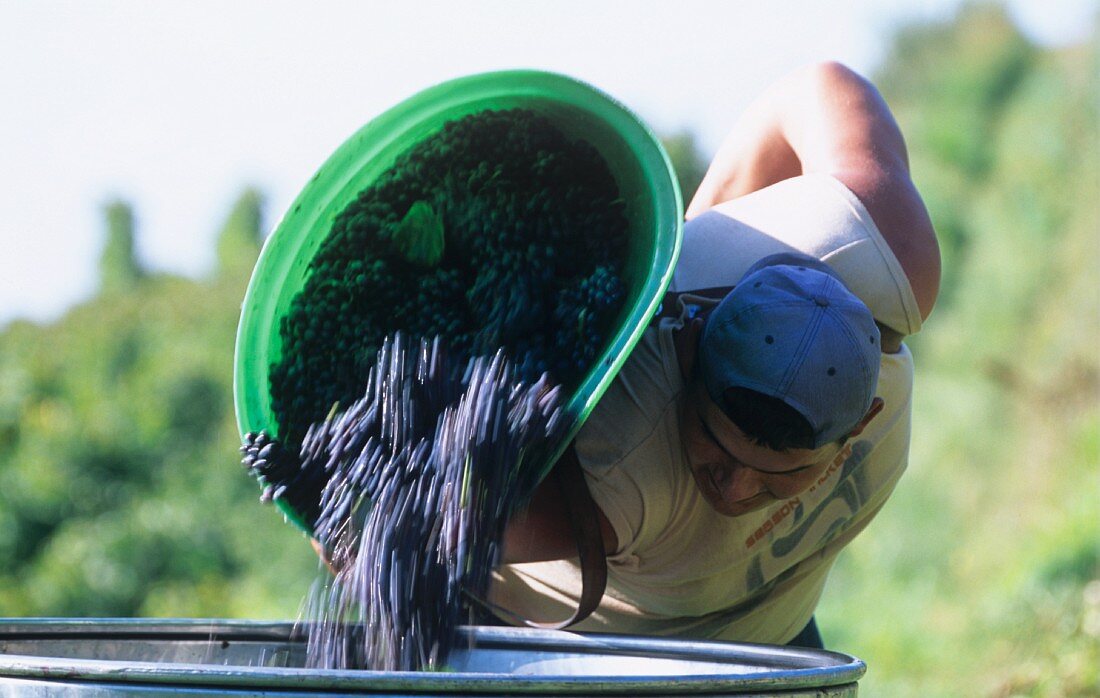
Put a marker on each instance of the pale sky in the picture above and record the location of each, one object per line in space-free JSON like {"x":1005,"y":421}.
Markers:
{"x":176,"y":107}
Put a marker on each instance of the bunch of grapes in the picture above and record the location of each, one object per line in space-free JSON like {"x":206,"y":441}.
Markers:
{"x":496,"y":233}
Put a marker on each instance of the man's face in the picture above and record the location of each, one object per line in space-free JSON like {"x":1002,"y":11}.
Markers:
{"x":734,"y":475}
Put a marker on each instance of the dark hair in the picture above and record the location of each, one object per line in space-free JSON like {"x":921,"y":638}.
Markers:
{"x":767,"y":420}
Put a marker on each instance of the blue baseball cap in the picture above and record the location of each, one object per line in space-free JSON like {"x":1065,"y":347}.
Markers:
{"x":790,"y":329}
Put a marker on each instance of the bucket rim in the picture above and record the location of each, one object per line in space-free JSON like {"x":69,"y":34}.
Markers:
{"x":794,"y":668}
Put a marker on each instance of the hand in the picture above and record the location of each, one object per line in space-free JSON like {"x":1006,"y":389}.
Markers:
{"x":324,"y":555}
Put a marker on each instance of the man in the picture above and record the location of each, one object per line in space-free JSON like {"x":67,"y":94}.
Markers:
{"x":746,"y":442}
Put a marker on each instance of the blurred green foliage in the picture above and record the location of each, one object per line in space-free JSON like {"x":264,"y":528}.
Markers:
{"x":242,"y":236}
{"x":119,"y":270}
{"x":688,"y":160}
{"x":119,"y":494}
{"x":982,"y":575}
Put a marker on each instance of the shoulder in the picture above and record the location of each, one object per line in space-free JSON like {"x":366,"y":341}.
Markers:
{"x":863,"y":147}
{"x":816,"y":214}
{"x":628,"y":443}
{"x":634,"y":403}
{"x":892,"y":200}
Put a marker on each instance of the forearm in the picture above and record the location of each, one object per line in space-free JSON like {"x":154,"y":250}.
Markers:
{"x":827,"y":119}
{"x":549,"y":527}
{"x":754,"y":155}
{"x":823,"y":118}
{"x":540,"y":531}
{"x":836,"y":121}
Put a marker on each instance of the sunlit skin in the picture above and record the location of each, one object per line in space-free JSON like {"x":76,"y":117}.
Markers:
{"x":821,"y":120}
{"x":735,"y":475}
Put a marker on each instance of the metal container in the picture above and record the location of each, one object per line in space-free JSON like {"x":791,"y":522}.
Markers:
{"x":153,"y":657}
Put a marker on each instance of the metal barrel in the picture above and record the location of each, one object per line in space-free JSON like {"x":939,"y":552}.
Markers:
{"x":192,"y":657}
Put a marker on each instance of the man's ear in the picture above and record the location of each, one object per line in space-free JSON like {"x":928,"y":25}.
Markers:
{"x":687,"y":346}
{"x":876,"y":406}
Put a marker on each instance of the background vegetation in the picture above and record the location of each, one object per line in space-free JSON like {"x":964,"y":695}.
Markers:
{"x":119,"y":493}
{"x":980,"y":577}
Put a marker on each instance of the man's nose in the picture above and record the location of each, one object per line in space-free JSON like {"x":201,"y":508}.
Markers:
{"x":738,"y":482}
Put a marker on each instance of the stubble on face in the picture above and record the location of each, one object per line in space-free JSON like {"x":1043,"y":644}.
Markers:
{"x":734,"y":475}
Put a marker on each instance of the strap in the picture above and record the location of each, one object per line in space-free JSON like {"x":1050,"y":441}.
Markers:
{"x":581,"y":511}
{"x":681,"y":307}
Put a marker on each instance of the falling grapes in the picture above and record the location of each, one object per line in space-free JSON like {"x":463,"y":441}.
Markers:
{"x":419,"y":476}
{"x":504,"y":242}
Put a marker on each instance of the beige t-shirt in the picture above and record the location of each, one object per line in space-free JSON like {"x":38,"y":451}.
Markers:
{"x":812,"y":214}
{"x":681,"y":568}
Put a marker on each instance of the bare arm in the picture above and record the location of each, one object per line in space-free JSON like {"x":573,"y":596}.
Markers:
{"x":539,"y":532}
{"x":828,"y":119}
{"x":542,"y":530}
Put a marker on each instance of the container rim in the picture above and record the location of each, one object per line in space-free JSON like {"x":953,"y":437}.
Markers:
{"x":793,"y":668}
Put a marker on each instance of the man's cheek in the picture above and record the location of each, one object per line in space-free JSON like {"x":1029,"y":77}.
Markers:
{"x":790,"y":486}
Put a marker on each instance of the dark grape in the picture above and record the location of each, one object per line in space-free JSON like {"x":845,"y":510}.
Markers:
{"x":534,"y":240}
{"x":409,"y":490}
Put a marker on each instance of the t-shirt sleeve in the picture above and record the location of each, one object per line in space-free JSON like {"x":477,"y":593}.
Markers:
{"x":620,"y":499}
{"x":624,"y":426}
{"x":813,"y":214}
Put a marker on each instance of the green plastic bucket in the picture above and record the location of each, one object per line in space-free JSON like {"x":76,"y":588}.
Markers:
{"x":635,"y":156}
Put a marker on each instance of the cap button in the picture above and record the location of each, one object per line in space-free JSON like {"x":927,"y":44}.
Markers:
{"x":821,"y":301}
